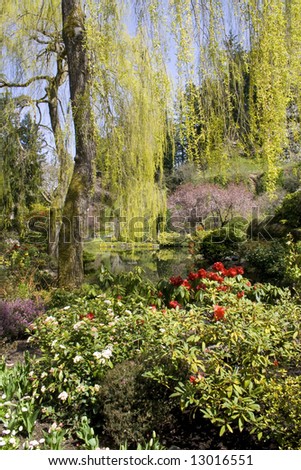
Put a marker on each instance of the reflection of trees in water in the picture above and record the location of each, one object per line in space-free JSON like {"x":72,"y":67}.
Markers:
{"x":161,"y":264}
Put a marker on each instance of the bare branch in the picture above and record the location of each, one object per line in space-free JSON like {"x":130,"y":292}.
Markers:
{"x":4,"y":83}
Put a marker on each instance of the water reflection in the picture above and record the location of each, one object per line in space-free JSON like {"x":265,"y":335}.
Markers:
{"x":156,"y":263}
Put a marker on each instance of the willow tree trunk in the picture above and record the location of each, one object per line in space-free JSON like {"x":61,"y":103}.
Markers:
{"x":78,"y":196}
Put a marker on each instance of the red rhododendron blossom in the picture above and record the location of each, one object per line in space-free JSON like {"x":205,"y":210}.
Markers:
{"x":153,"y":307}
{"x":174,"y":304}
{"x":215,"y":277}
{"x":186,"y":284}
{"x":192,"y":379}
{"x":223,"y":288}
{"x":202,"y":273}
{"x":218,"y":266}
{"x":160,"y":294}
{"x":201,"y":286}
{"x":240,"y":294}
{"x":240,"y":270}
{"x":90,"y":315}
{"x":193,"y":276}
{"x":176,"y":280}
{"x":231,"y":272}
{"x":219,"y":312}
{"x":248,"y":283}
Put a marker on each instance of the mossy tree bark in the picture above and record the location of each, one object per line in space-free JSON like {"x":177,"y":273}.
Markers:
{"x":78,"y":195}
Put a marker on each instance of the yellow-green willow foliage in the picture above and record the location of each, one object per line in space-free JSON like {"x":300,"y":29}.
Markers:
{"x":130,"y":90}
{"x":269,"y":91}
{"x":236,"y":85}
{"x":26,"y":28}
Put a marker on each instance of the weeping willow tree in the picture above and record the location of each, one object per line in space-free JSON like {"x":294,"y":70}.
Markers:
{"x":130,"y":95}
{"x":242,"y":72}
{"x":231,"y":93}
{"x":34,"y":61}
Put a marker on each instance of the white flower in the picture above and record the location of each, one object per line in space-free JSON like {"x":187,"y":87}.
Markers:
{"x":81,"y":388}
{"x":67,"y":307}
{"x":7,"y":415}
{"x":24,"y":409}
{"x":31,"y":373}
{"x":77,"y":325}
{"x":6,"y":431}
{"x":20,"y":428}
{"x":12,"y":441}
{"x":162,"y":330}
{"x":104,"y":354}
{"x":43,"y":375}
{"x":110,"y":311}
{"x":3,"y":396}
{"x":63,"y":396}
{"x":33,"y":443}
{"x":128,"y":312}
{"x":78,"y":359}
{"x":96,"y":388}
{"x":107,"y":353}
{"x":43,"y":389}
{"x":2,"y":443}
{"x":49,"y":320}
{"x":53,"y":343}
{"x":97,"y":355}
{"x":107,"y":301}
{"x":41,"y":441}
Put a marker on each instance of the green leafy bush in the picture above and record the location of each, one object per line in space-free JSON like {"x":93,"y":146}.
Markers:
{"x":131,"y":358}
{"x":222,"y":242}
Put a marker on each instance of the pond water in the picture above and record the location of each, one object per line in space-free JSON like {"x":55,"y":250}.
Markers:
{"x":156,"y":263}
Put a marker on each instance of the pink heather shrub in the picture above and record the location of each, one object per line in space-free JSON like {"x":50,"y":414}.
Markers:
{"x":17,"y":316}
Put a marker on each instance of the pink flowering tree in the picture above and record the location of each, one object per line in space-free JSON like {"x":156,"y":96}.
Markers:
{"x":192,"y":205}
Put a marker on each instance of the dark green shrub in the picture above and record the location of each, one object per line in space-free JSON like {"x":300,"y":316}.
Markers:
{"x":289,"y":212}
{"x":266,"y":261}
{"x":133,"y":405}
{"x":222,"y":242}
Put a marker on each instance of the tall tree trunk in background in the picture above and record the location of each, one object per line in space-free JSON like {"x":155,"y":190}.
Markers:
{"x":64,"y":158}
{"x":71,"y":270}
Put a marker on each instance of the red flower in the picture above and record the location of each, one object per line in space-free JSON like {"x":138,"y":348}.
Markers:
{"x":193,"y":276}
{"x":174,"y":304}
{"x":223,"y":288}
{"x":192,"y":379}
{"x":231,"y":272}
{"x":218,"y":267}
{"x":215,"y":277}
{"x":276,"y":363}
{"x":176,"y":280}
{"x":201,"y":286}
{"x":160,"y":294}
{"x":119,"y":297}
{"x":219,"y":312}
{"x":90,"y":315}
{"x":240,"y":294}
{"x":202,"y":273}
{"x":248,"y":283}
{"x":186,"y":284}
{"x":153,"y":307}
{"x":240,"y":270}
